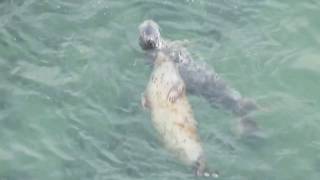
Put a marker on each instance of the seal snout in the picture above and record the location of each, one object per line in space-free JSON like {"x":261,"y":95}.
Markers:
{"x":150,"y":43}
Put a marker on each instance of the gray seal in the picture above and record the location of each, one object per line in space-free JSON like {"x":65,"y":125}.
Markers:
{"x":200,"y":80}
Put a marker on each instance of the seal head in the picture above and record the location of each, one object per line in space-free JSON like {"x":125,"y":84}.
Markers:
{"x":149,"y":35}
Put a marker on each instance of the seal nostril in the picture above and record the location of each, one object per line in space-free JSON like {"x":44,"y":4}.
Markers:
{"x":150,"y":44}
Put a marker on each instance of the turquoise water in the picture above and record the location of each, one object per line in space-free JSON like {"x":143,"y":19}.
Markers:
{"x":71,"y":75}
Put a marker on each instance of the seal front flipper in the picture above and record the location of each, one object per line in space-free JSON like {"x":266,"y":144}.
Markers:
{"x":144,"y":101}
{"x":176,"y":91}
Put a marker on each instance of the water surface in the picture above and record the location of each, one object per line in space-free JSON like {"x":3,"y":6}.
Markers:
{"x":71,"y":75}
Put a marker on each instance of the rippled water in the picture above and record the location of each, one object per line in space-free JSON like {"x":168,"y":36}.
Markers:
{"x":71,"y":75}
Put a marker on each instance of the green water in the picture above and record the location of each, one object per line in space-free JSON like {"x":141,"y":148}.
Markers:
{"x":71,"y":75}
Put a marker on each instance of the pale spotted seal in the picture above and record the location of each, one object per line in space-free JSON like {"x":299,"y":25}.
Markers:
{"x":172,"y":115}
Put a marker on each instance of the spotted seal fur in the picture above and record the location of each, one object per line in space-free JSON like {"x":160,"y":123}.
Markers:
{"x":172,"y":115}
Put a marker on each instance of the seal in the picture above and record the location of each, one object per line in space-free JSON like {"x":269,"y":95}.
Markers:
{"x":172,"y":115}
{"x":200,"y":80}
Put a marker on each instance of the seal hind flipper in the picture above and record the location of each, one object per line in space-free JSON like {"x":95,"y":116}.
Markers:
{"x":201,"y":170}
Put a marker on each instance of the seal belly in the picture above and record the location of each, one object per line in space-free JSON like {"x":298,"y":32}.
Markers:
{"x":177,"y":127}
{"x":171,"y":112}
